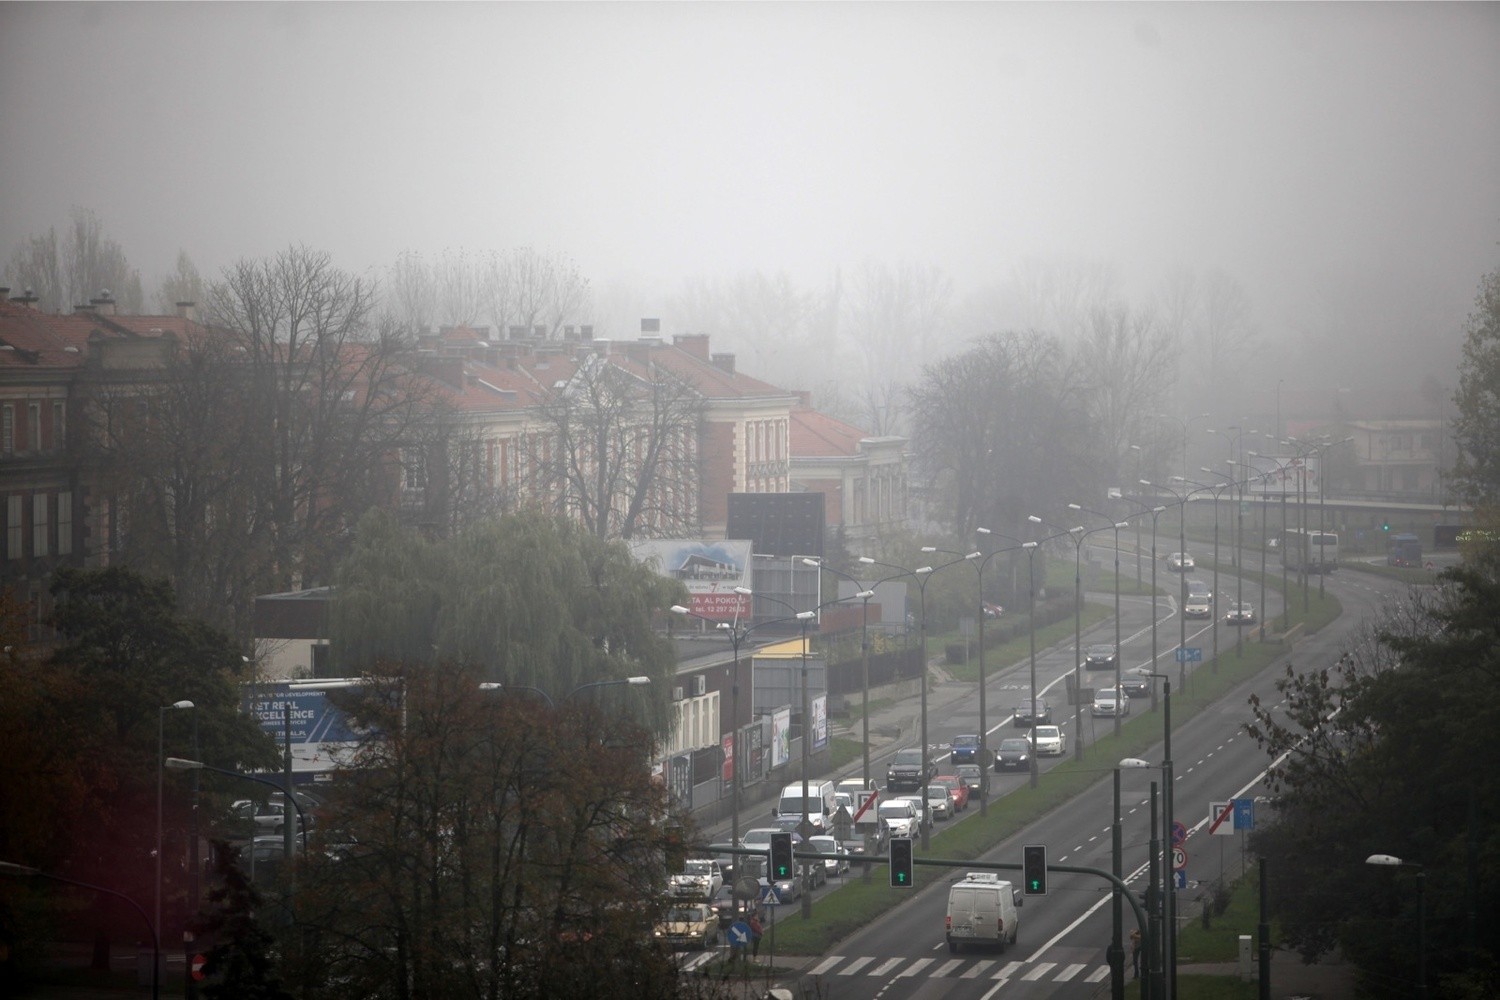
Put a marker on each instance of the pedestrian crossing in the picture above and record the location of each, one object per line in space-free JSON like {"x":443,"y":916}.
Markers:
{"x":836,"y":966}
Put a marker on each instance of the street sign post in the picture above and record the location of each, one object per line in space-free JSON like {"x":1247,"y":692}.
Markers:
{"x":1221,"y":819}
{"x":1179,"y":833}
{"x":1179,"y":858}
{"x":1190,"y":654}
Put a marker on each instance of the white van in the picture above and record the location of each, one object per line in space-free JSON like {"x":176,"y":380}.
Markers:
{"x":982,"y":910}
{"x":818,"y":811}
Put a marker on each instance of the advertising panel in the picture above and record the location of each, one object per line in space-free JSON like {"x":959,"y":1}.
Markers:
{"x":709,"y":569}
{"x":781,"y":737}
{"x":820,"y":722}
{"x":322,"y":737}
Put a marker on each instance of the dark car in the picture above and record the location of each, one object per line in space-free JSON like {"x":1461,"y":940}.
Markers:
{"x":966,"y":750}
{"x":1100,"y":656}
{"x":1135,"y":686}
{"x":1033,"y":713}
{"x":1014,"y":754}
{"x":905,"y":771}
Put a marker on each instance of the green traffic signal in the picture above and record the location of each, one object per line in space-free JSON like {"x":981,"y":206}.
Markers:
{"x":1385,"y":526}
{"x":1034,"y":869}
{"x":781,"y":855}
{"x":901,"y":863}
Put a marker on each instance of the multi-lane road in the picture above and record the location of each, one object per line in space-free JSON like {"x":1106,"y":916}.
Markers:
{"x":1061,"y":951}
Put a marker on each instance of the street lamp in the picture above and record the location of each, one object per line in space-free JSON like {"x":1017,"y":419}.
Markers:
{"x":1152,"y":945}
{"x":1030,"y":548}
{"x":864,"y":594}
{"x":11,"y":868}
{"x":183,"y":764}
{"x":1077,"y":535}
{"x":980,"y":562}
{"x":161,"y":715}
{"x":1155,"y":512}
{"x":921,"y":574}
{"x":1390,"y":861}
{"x":1169,"y":889}
{"x":737,"y":634}
{"x":1118,"y":655}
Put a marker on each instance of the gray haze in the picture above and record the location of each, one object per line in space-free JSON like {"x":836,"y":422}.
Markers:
{"x":1340,"y":162}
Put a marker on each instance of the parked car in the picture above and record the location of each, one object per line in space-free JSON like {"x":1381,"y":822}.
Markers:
{"x":959,"y":790}
{"x":898,"y":817}
{"x":924,"y":813}
{"x":828,"y":844}
{"x":1135,"y":685}
{"x":905,"y":771}
{"x":1014,"y":754}
{"x":700,"y":878}
{"x":1048,"y":740}
{"x":688,"y":925}
{"x":1240,"y":614}
{"x":1034,"y":712}
{"x":1109,"y":702}
{"x":972,"y":777}
{"x":1100,"y":656}
{"x":940,"y":801}
{"x":1180,"y":562}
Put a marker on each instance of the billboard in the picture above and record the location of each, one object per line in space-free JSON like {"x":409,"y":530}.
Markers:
{"x":819,"y":722}
{"x":1274,"y":475}
{"x":322,"y":737}
{"x":779,"y":524}
{"x":781,"y":737}
{"x":709,"y":570}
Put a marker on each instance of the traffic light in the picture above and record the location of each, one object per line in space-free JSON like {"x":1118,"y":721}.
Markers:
{"x":781,"y":855}
{"x":1034,"y":868}
{"x":901,"y":863}
{"x":1385,"y":526}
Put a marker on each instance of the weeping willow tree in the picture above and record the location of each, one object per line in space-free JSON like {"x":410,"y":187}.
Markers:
{"x":529,"y":601}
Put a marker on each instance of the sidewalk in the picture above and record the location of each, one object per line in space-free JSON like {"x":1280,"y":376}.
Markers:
{"x":1290,"y":977}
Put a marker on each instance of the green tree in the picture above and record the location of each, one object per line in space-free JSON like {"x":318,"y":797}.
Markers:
{"x":530,"y":600}
{"x":240,"y":964}
{"x":474,"y":860}
{"x":1476,"y":473}
{"x":1395,"y":750}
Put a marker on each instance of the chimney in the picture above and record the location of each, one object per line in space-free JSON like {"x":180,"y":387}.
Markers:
{"x":586,"y":332}
{"x":540,"y":332}
{"x":516,"y":332}
{"x":4,"y":292}
{"x":105,"y":303}
{"x":695,"y":344}
{"x":650,"y":325}
{"x":188,"y":311}
{"x":724,"y":362}
{"x":804,"y":397}
{"x":570,"y":333}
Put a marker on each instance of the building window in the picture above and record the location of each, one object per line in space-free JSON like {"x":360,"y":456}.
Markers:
{"x":65,"y":524}
{"x":8,"y":429}
{"x":414,"y":469}
{"x":13,"y":527}
{"x":59,"y":426}
{"x":34,"y":427}
{"x":39,"y":522}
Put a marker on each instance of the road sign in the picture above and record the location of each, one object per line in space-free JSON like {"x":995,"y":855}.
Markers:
{"x":1179,"y":833}
{"x":1179,"y":879}
{"x":768,"y":895}
{"x":866,"y":800}
{"x":1179,"y":858}
{"x":1244,"y":814}
{"x":1221,"y":819}
{"x":1189,"y":654}
{"x":199,"y":961}
{"x":739,"y":934}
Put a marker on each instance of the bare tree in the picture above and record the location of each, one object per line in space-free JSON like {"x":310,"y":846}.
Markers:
{"x":34,"y":269}
{"x":1126,"y":360}
{"x":331,"y":401}
{"x":412,"y":292}
{"x":621,"y":449}
{"x":183,"y":285}
{"x":891,"y":317}
{"x":92,"y":263}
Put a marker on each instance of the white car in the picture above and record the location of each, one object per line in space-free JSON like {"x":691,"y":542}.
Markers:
{"x":940,"y":801}
{"x":825,"y":844}
{"x":1108,"y":702}
{"x":924,"y":814}
{"x":1180,"y":562}
{"x":1047,"y":740}
{"x":700,"y":878}
{"x":898,"y":817}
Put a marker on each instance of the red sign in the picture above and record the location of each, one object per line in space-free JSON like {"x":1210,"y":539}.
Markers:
{"x":199,"y":961}
{"x":728,"y":773}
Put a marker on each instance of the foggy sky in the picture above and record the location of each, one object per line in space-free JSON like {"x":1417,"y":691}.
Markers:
{"x":1339,"y":160}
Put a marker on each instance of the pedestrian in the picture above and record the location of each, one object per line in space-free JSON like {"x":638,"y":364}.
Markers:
{"x":1135,"y":952}
{"x":755,"y":932}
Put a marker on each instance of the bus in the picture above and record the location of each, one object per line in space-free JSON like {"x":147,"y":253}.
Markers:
{"x":1403,"y":550}
{"x":1310,"y":551}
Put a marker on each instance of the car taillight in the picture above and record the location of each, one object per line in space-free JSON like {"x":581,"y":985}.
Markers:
{"x":947,"y":923}
{"x":1000,"y":926}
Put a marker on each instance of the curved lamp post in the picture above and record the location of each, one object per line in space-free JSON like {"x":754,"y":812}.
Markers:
{"x":1155,"y":512}
{"x":1119,"y":655}
{"x":10,"y":868}
{"x":1391,"y":861}
{"x":161,"y":715}
{"x":1168,"y":887}
{"x":183,"y":764}
{"x":921,"y":574}
{"x":1076,"y":535}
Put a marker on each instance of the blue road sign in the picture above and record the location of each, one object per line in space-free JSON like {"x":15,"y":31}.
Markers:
{"x":1179,"y":833}
{"x":1190,"y":654}
{"x":1179,"y":878}
{"x":739,"y":934}
{"x":1244,"y":814}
